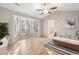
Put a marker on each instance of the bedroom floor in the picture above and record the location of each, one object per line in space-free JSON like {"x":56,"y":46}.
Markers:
{"x":31,"y":46}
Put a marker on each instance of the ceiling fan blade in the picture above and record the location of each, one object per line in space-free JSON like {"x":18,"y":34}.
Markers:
{"x":49,"y":12}
{"x":53,"y":8}
{"x":42,"y":13}
{"x":17,"y":4}
{"x":39,"y":10}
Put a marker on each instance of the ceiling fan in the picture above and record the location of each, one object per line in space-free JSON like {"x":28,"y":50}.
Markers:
{"x":46,"y":9}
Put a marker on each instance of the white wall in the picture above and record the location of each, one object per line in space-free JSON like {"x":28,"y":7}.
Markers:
{"x":59,"y":18}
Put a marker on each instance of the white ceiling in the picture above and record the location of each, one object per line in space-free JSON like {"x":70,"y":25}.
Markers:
{"x":30,"y":8}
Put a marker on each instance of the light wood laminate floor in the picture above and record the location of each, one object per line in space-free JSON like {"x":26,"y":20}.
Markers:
{"x":31,"y":46}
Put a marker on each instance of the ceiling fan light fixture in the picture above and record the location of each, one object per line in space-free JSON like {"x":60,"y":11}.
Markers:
{"x":46,"y":8}
{"x":45,"y":11}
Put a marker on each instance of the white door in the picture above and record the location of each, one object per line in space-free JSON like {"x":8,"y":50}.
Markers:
{"x":24,"y":26}
{"x":16,"y":26}
{"x":20,"y":27}
{"x":51,"y":31}
{"x":34,"y":27}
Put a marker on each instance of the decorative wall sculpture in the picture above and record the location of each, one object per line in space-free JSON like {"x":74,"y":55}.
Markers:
{"x":69,"y":22}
